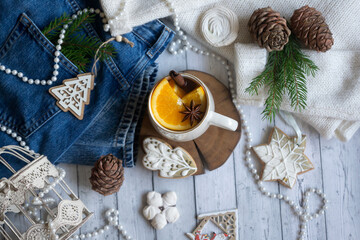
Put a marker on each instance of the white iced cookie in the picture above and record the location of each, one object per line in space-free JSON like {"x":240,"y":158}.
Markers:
{"x":161,"y":210}
{"x":154,"y":199}
{"x":283,"y":158}
{"x":219,"y":26}
{"x":150,"y":212}
{"x":169,"y":198}
{"x":171,"y":214}
{"x":171,"y":163}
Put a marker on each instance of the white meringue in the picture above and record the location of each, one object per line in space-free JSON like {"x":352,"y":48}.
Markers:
{"x":219,"y":26}
{"x":159,"y":221}
{"x":170,"y":198}
{"x":149,"y":212}
{"x":171,"y":214}
{"x":161,"y":210}
{"x":154,"y":199}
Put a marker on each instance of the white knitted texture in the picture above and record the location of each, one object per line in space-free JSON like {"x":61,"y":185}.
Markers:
{"x":142,"y":11}
{"x":333,"y":95}
{"x":334,"y":99}
{"x":342,"y":16}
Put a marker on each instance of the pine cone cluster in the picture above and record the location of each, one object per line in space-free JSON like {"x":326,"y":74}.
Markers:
{"x":107,"y":175}
{"x":269,"y":29}
{"x":310,"y":28}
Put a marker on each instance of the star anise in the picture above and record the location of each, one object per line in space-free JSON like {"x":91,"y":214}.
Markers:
{"x":192,"y":112}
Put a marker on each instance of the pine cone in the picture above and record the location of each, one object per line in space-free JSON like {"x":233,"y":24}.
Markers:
{"x":107,"y":175}
{"x":310,"y":28}
{"x":269,"y":29}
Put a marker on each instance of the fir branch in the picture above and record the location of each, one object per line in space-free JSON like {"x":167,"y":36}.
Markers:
{"x":285,"y":72}
{"x":301,"y":66}
{"x":259,"y":81}
{"x":88,"y":47}
{"x":57,"y":23}
{"x":77,"y":47}
{"x":276,"y":87}
{"x":79,"y":22}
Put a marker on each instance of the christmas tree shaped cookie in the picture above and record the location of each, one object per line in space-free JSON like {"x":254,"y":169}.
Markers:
{"x":74,"y":93}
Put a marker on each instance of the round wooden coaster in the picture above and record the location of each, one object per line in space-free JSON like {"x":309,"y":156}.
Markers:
{"x":215,"y":146}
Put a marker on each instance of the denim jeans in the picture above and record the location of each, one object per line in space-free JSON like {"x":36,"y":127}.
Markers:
{"x":110,"y":120}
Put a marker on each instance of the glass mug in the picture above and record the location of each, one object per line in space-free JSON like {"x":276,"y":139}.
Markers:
{"x":210,"y":117}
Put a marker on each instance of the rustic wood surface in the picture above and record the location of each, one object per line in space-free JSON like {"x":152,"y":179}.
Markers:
{"x":215,"y":146}
{"x":231,"y":186}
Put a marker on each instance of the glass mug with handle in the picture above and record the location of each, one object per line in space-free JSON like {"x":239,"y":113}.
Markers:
{"x":210,"y":117}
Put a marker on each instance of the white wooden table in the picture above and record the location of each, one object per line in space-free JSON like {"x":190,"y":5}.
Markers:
{"x":231,"y":186}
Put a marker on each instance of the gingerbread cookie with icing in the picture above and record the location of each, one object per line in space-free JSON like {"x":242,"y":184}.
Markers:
{"x":171,"y":163}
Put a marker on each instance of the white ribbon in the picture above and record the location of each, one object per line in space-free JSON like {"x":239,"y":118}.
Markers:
{"x":290,"y":120}
{"x":219,"y":26}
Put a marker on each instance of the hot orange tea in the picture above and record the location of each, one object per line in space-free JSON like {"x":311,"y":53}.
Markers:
{"x":176,"y":107}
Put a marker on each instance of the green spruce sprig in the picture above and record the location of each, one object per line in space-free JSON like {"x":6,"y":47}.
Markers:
{"x":77,"y":47}
{"x":285,"y":72}
{"x":54,"y":27}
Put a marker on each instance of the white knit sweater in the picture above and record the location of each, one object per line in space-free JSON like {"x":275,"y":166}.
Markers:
{"x":138,"y":12}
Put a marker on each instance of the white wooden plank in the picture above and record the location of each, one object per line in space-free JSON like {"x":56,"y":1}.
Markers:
{"x":312,"y":179}
{"x":168,"y":62}
{"x":340,"y":163}
{"x":184,"y":188}
{"x":206,"y":64}
{"x":71,"y":177}
{"x":214,"y":191}
{"x":132,"y":199}
{"x":259,"y":216}
{"x":96,"y":203}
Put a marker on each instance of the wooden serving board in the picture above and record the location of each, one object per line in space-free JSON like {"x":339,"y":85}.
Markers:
{"x":214,"y":147}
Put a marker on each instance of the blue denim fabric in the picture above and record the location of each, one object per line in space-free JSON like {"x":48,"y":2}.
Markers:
{"x":109,"y":125}
{"x":120,"y":123}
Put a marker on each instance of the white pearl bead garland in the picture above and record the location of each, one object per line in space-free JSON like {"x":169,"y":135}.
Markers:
{"x":17,"y":138}
{"x":180,"y":46}
{"x":56,"y":54}
{"x":112,"y":220}
{"x":52,"y":185}
{"x":14,"y":135}
{"x":53,"y":79}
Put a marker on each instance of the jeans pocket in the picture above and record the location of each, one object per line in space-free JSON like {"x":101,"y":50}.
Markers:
{"x":24,"y":107}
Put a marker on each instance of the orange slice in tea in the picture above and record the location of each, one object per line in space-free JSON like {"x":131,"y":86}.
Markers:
{"x":179,"y":91}
{"x":167,"y":106}
{"x":198,"y":95}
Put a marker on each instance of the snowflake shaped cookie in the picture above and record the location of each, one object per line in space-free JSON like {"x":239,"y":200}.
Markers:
{"x":283,"y":158}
